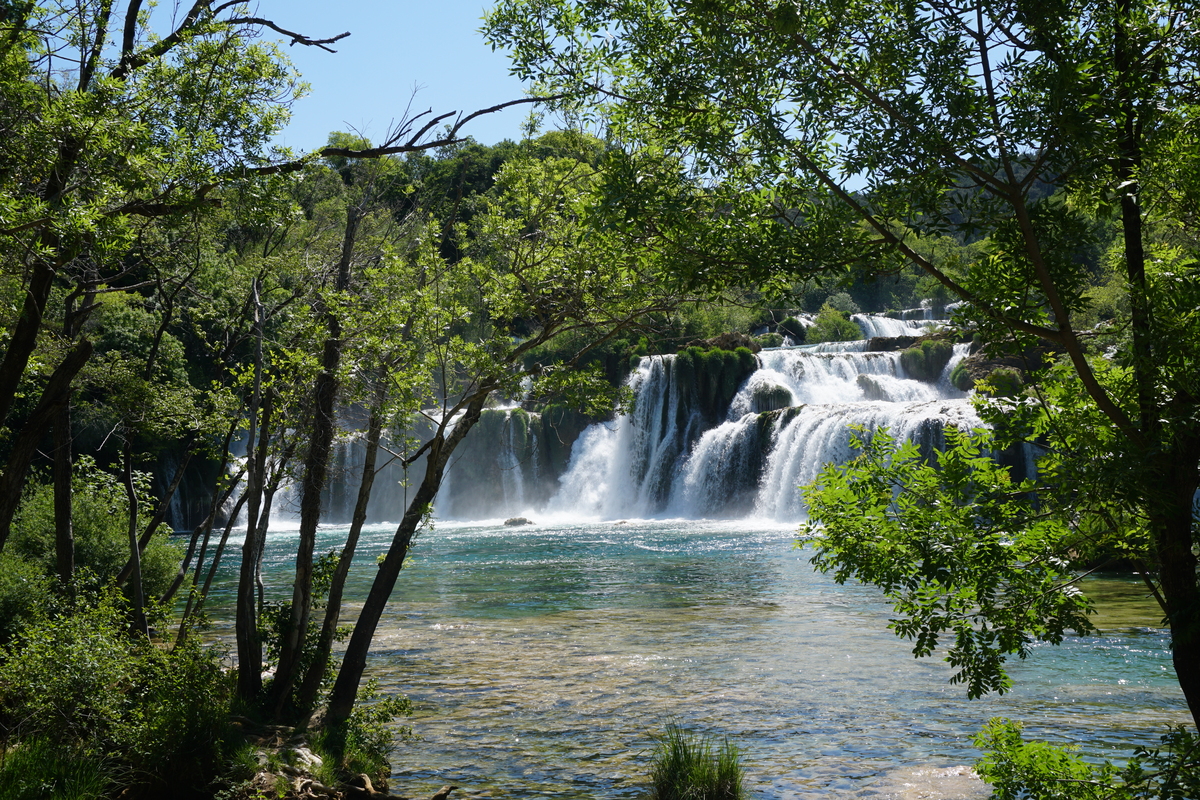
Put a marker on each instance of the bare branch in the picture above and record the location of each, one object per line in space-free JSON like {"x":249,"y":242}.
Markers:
{"x":297,"y":38}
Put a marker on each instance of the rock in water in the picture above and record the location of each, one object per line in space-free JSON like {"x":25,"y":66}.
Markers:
{"x":511,"y":522}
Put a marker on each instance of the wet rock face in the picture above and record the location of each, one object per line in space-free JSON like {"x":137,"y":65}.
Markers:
{"x":889,"y":344}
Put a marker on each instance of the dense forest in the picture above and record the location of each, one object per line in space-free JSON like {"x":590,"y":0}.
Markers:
{"x":191,"y":319}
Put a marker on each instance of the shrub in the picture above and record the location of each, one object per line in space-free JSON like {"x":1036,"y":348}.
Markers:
{"x":832,"y":325}
{"x":24,"y":587}
{"x":99,"y":516}
{"x":843,"y":303}
{"x":152,"y":719}
{"x":690,"y":767}
{"x":1041,"y":771}
{"x":365,"y":743}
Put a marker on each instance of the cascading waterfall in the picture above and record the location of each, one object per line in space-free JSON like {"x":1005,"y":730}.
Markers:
{"x":789,"y":418}
{"x":713,"y":434}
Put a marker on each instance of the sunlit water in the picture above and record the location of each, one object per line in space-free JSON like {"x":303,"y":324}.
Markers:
{"x":542,"y":659}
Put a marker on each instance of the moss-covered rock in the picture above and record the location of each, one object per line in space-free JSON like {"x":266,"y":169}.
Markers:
{"x":871,"y":388}
{"x":769,"y":340}
{"x":1002,"y":382}
{"x":794,"y":329}
{"x":926,"y":361}
{"x":770,"y":397}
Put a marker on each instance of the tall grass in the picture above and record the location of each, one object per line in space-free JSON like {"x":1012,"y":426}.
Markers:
{"x":691,"y":767}
{"x":41,"y":770}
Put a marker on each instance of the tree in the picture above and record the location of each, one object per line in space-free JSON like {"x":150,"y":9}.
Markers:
{"x":537,"y":269}
{"x":857,"y":128}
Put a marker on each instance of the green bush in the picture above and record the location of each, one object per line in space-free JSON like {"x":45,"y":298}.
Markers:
{"x":100,"y":520}
{"x":1020,"y":770}
{"x":843,"y":302}
{"x":152,"y":719}
{"x":688,"y":767}
{"x":832,"y":325}
{"x":24,"y":587}
{"x":365,"y":743}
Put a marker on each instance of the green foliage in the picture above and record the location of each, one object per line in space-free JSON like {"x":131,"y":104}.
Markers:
{"x":37,"y":769}
{"x":100,"y":519}
{"x":688,"y":766}
{"x":926,"y":362}
{"x":24,"y":587}
{"x":841,"y":301}
{"x":957,"y":547}
{"x":1020,"y":770}
{"x":367,"y":740}
{"x":149,"y":718}
{"x":793,"y":328}
{"x":832,"y":325}
{"x":770,"y":340}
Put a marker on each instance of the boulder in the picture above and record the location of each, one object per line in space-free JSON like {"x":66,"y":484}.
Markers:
{"x":513,"y":522}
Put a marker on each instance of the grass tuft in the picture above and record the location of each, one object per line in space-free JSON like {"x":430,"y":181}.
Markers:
{"x":691,"y":767}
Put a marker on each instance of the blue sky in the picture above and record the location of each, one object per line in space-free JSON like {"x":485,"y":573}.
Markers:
{"x":395,"y":46}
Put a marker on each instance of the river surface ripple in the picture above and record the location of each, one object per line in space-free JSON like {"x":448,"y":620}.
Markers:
{"x":542,"y":660}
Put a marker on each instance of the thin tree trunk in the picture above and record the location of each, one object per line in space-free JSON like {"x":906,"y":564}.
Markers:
{"x":345,"y":689}
{"x":138,"y":596}
{"x":311,"y":686}
{"x":316,"y":471}
{"x":159,"y":515}
{"x":198,"y":606}
{"x":64,"y":533}
{"x":249,"y":649}
{"x":55,"y":394}
{"x":204,"y":529}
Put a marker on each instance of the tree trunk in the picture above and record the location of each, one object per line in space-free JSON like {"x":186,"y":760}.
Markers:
{"x":316,"y":471}
{"x":135,"y":553}
{"x":55,"y":394}
{"x":249,"y":682}
{"x":1171,"y":521}
{"x":64,"y":533}
{"x":24,"y":335}
{"x":159,"y":516}
{"x":311,"y":686}
{"x":345,"y":689}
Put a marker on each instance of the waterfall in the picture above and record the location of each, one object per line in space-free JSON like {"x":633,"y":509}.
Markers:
{"x":788,"y":418}
{"x":873,"y":326}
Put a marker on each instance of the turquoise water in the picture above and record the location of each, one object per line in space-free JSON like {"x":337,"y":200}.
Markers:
{"x":542,"y":660}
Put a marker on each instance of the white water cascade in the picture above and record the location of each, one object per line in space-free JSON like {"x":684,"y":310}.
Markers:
{"x":789,"y":418}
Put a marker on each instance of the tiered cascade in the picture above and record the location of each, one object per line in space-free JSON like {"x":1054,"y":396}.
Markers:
{"x":710,"y":435}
